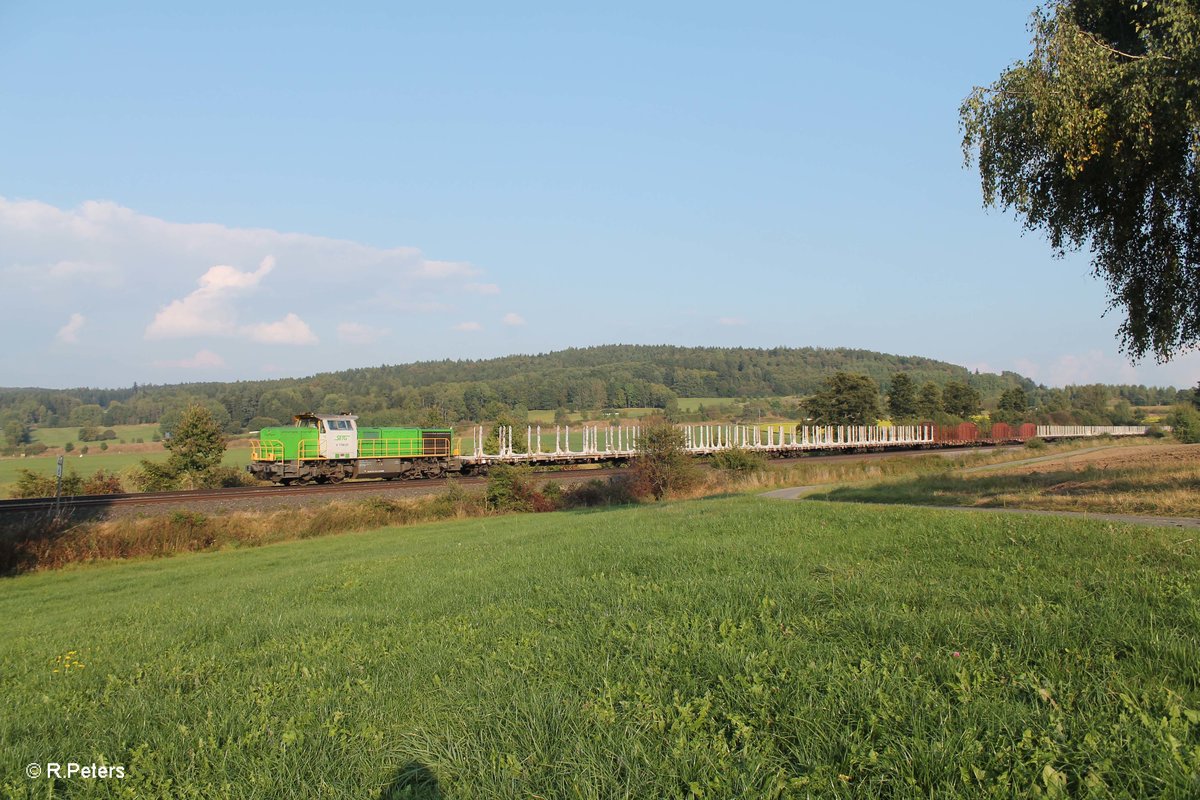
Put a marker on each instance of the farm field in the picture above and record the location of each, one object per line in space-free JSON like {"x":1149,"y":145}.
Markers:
{"x":97,"y":459}
{"x":1155,"y":479}
{"x":733,"y":647}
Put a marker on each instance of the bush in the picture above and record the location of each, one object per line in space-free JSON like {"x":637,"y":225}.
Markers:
{"x":34,"y":449}
{"x":509,"y":488}
{"x":1036,"y":443}
{"x":68,"y":447}
{"x":104,"y":445}
{"x":663,"y":466}
{"x":739,"y":461}
{"x":1185,"y":424}
{"x":39,"y":484}
{"x":225,"y":478}
{"x":103,"y":483}
{"x":455,"y":502}
{"x":155,"y":477}
{"x":618,"y":491}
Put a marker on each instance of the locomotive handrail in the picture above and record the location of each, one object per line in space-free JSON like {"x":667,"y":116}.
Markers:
{"x":309,"y":450}
{"x":403,"y":448}
{"x":268,"y":450}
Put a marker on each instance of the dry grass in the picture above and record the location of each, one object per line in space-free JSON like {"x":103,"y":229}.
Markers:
{"x":36,"y":544}
{"x":1160,"y":480}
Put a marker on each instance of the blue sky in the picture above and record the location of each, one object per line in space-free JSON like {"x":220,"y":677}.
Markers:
{"x":224,"y":193}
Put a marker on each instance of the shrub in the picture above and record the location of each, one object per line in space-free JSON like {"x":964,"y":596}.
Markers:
{"x":1185,"y":424}
{"x":509,"y":488}
{"x":104,"y":445}
{"x":83,"y":451}
{"x":616,"y":491}
{"x":33,"y":484}
{"x":224,"y":478}
{"x":1035,"y":443}
{"x":103,"y":483}
{"x":455,"y":502}
{"x":68,"y":447}
{"x":663,"y":466}
{"x":155,"y":477}
{"x":739,"y":461}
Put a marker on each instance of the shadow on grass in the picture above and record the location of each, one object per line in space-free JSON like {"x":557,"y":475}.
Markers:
{"x":959,"y":490}
{"x":413,"y":781}
{"x":24,"y":534}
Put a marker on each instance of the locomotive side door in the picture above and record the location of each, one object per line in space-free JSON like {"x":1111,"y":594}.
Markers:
{"x":338,"y":437}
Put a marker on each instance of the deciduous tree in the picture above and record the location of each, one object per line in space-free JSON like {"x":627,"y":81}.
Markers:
{"x":902,"y":397}
{"x":929,"y":401}
{"x":1093,"y":139}
{"x":197,"y":444}
{"x":960,"y":399}
{"x":846,"y":398}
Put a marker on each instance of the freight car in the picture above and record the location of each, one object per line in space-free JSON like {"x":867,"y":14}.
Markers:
{"x":329,"y":448}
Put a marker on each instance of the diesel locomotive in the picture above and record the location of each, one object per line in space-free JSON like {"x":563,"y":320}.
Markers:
{"x":329,"y":448}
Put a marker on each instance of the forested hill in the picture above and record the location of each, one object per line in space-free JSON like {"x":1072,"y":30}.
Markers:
{"x":449,"y":391}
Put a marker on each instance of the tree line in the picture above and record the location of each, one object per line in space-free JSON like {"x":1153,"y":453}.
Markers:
{"x":574,"y":380}
{"x":856,"y":399}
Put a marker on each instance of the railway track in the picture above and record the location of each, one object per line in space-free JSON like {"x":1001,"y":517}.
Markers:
{"x":247,"y":493}
{"x":99,"y":503}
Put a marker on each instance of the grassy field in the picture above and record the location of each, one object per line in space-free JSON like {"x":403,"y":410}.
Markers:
{"x":733,"y":647}
{"x":96,"y":459}
{"x":57,"y":437}
{"x":1156,"y":479}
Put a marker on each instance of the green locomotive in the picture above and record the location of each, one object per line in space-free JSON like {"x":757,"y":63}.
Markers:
{"x":329,"y":448}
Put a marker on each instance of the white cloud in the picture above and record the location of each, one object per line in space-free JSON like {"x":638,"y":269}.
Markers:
{"x":155,"y":280}
{"x":482,"y":288}
{"x":1094,"y":366}
{"x":209,"y":309}
{"x":357,"y":333}
{"x":204,"y":359}
{"x":512,"y":318}
{"x":468,"y":327}
{"x":289,"y":330}
{"x":446,"y":269}
{"x":69,"y":333}
{"x":731,"y":321}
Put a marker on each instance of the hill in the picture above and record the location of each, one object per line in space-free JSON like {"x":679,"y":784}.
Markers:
{"x":620,"y":376}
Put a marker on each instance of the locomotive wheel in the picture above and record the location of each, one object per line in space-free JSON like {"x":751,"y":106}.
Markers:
{"x":337,"y":477}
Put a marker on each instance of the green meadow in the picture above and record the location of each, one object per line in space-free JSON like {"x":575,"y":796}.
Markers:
{"x":96,"y":459}
{"x":57,"y":437}
{"x":733,"y":647}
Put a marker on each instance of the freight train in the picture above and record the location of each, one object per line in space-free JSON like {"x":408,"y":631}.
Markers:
{"x":329,"y":448}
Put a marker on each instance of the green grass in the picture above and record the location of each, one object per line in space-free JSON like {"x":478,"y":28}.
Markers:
{"x":96,"y":459}
{"x":733,"y":647}
{"x":690,"y":404}
{"x":57,"y":437}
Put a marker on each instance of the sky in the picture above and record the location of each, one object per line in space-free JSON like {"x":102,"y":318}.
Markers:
{"x":227,"y":192}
